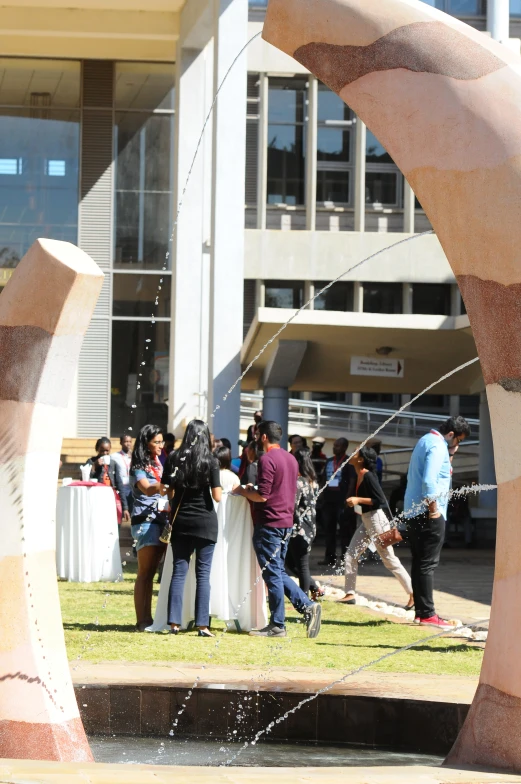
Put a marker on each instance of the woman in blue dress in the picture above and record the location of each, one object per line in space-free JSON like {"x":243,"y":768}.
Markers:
{"x":149,"y":516}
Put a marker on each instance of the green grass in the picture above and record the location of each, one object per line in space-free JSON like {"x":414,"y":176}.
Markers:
{"x":98,"y":619}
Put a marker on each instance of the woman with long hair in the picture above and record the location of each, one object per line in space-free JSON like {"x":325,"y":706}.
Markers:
{"x":148,"y":517}
{"x":192,"y":475}
{"x":370,"y":497}
{"x":229,"y":479}
{"x":304,"y":524}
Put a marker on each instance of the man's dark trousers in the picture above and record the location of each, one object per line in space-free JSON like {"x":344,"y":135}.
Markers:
{"x":426,"y":537}
{"x":271,"y":545}
{"x":333,"y":516}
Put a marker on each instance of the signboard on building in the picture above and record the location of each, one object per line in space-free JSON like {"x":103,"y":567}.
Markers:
{"x":377,"y":366}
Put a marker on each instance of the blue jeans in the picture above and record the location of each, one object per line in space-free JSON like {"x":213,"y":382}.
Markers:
{"x":271,"y":545}
{"x":183,"y":547}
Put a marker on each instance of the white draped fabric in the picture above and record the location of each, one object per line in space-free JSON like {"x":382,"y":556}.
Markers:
{"x":87,"y":536}
{"x":235,"y":569}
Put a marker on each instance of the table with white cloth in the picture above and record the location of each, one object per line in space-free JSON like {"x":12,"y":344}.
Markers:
{"x":87,"y":536}
{"x":237,"y":593}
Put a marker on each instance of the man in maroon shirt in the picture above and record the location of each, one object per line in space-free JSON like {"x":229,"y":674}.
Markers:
{"x":274,"y":504}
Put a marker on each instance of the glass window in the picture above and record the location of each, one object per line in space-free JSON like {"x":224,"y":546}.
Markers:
{"x":144,"y":208}
{"x":380,"y":400}
{"x":135,"y":295}
{"x":381,"y":188}
{"x":129,"y":339}
{"x":39,"y":84}
{"x":334,"y":153}
{"x":515,"y":7}
{"x":286,"y":141}
{"x":374,"y":151}
{"x":333,"y":186}
{"x":431,"y":298}
{"x":144,"y":86}
{"x":383,"y":298}
{"x":284,"y":294}
{"x":338,"y":297}
{"x":39,"y":179}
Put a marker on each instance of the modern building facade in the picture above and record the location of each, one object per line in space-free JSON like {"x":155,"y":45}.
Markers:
{"x":102,"y":104}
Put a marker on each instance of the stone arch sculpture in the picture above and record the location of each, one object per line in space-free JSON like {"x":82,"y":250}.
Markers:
{"x":445,"y":100}
{"x":45,"y":310}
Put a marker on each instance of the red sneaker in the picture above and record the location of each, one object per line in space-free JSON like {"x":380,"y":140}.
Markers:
{"x":437,"y":622}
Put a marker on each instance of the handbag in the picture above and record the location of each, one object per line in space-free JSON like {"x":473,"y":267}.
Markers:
{"x":389,"y":538}
{"x":166,"y":533}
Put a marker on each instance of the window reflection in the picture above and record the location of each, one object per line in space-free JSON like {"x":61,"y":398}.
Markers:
{"x":381,"y":188}
{"x":128,"y":342}
{"x":334,"y":149}
{"x":383,"y":298}
{"x":39,"y":171}
{"x":338,"y":297}
{"x":431,"y":298}
{"x":460,"y":7}
{"x":143,"y":189}
{"x":286,"y":141}
{"x":135,"y":295}
{"x":515,"y":7}
{"x":374,"y":151}
{"x":284,"y":294}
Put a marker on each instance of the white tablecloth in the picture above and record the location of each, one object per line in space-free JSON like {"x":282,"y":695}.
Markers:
{"x":234,"y":572}
{"x":87,"y":536}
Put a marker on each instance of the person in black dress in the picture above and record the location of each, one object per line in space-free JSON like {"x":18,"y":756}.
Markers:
{"x":192,"y":475}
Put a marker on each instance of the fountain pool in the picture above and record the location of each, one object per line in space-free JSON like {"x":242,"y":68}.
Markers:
{"x":161,"y":751}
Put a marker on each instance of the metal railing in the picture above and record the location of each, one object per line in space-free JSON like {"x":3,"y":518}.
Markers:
{"x":399,"y":463}
{"x":343,"y":418}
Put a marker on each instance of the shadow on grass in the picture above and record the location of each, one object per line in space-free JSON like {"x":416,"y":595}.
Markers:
{"x":98,"y":627}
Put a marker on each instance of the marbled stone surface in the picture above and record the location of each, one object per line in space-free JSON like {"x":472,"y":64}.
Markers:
{"x":445,"y":101}
{"x":45,"y":310}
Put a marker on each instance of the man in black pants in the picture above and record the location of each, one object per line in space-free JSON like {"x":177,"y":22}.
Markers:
{"x":426,"y":501}
{"x":332,"y":509}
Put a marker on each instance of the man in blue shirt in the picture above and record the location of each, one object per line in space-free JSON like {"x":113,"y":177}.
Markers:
{"x":425,"y":508}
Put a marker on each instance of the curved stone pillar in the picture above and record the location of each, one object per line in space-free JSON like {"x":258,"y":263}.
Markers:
{"x":45,"y":310}
{"x":446,"y":102}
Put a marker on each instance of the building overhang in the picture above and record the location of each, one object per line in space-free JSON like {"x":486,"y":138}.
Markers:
{"x":429,"y":346}
{"x":91,"y":29}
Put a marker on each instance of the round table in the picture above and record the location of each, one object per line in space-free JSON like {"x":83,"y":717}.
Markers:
{"x":87,"y":536}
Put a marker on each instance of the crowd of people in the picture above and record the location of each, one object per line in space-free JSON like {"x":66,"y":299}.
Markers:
{"x":169,"y":490}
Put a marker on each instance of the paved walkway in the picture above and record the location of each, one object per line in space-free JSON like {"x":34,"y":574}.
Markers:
{"x":463,"y":582}
{"x":18,"y":771}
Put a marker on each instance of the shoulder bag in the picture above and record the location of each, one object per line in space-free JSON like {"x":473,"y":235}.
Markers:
{"x":166,"y":533}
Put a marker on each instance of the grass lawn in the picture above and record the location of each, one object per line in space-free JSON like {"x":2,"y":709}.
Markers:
{"x":98,"y":619}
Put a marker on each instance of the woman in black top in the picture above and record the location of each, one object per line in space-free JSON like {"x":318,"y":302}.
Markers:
{"x":304,"y":524}
{"x":370,"y":497}
{"x":192,"y":474}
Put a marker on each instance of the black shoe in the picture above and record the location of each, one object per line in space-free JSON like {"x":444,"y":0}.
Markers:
{"x":174,"y":631}
{"x":313,"y":618}
{"x":271,"y":630}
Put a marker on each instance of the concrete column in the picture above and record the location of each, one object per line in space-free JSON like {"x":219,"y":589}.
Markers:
{"x":407,"y":298}
{"x":455,"y":300}
{"x":260,"y":294}
{"x":487,"y":471}
{"x":190,"y":268}
{"x":311,"y":154}
{"x":498,"y":19}
{"x":454,"y":405}
{"x":360,"y":144}
{"x":309,"y":292}
{"x":262,"y":152}
{"x":356,"y":399}
{"x":409,"y":206}
{"x":358,"y":297}
{"x":275,"y":407}
{"x":227,"y":245}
